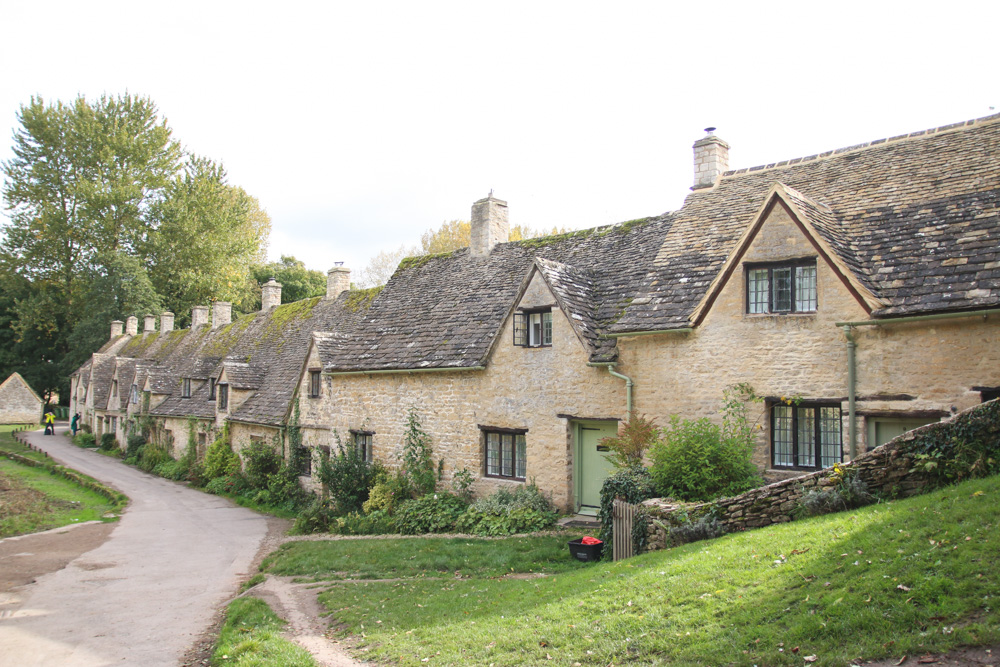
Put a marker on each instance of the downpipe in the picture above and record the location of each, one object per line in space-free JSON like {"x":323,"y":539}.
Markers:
{"x":852,"y":425}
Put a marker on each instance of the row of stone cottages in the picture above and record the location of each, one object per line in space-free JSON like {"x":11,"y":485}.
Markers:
{"x":863,"y":281}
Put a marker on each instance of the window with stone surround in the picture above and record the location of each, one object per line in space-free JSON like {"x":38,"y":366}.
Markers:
{"x":506,"y":453}
{"x":806,"y":436}
{"x":186,"y":388}
{"x":533,"y":328}
{"x":363,"y":441}
{"x":223,"y":392}
{"x":314,"y":383}
{"x":787,"y":287}
{"x":211,"y":389}
{"x":134,"y":396}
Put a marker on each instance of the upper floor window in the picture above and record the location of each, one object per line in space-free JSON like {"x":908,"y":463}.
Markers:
{"x":186,"y":388}
{"x":533,"y":328}
{"x":223,"y":391}
{"x":134,"y":398}
{"x":789,"y":287}
{"x":363,"y":441}
{"x":211,"y":389}
{"x":114,"y":388}
{"x":314,"y":383}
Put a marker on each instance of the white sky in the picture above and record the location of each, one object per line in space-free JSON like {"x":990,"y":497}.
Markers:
{"x":359,"y":125}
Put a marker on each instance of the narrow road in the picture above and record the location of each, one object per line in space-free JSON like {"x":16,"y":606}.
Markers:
{"x":144,"y":595}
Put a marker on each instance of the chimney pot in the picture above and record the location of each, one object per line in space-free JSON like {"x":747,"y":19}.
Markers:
{"x":222,"y":314}
{"x":117,"y":328}
{"x":199,"y":316}
{"x":490,"y":225}
{"x":338,"y":280}
{"x":132,"y":325}
{"x":711,"y":159}
{"x":166,"y":321}
{"x":149,"y":324}
{"x":270,"y":295}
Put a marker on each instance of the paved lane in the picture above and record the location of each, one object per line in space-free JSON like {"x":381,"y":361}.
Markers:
{"x":146,"y":594}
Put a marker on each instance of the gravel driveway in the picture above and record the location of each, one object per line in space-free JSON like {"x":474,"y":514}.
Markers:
{"x":145,"y":594}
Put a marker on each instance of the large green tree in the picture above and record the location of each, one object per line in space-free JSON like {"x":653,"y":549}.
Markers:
{"x":110,"y":218}
{"x":297,"y":282}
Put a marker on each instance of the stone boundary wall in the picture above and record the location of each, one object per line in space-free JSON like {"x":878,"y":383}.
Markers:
{"x":886,"y":470}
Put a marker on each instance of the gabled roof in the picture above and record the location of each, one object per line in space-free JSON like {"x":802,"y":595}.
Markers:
{"x":14,"y":380}
{"x":575,"y":291}
{"x":102,"y":371}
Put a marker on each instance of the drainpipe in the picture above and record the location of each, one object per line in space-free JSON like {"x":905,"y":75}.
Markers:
{"x":628,"y":382}
{"x":852,"y":425}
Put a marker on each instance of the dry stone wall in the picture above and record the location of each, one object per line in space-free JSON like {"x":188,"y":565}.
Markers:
{"x":887,"y":470}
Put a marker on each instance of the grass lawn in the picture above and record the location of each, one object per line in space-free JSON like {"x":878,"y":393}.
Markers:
{"x":900,"y":578}
{"x":251,"y":637}
{"x":33,"y":499}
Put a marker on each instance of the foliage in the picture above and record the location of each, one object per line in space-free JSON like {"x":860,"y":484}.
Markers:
{"x":633,"y":485}
{"x":108,"y":442}
{"x":234,"y":484}
{"x":252,"y":635}
{"x":705,"y":527}
{"x":314,"y":517}
{"x":381,"y":267}
{"x":506,"y":512}
{"x":85,"y":439}
{"x":418,"y":465}
{"x":347,"y":477}
{"x":355,"y":523}
{"x":387,"y":491}
{"x":635,"y":435}
{"x":297,"y":282}
{"x":967,"y":447}
{"x":152,"y":456}
{"x":260,"y":461}
{"x":430,"y":513}
{"x":699,"y":460}
{"x":133,"y":444}
{"x":461,"y":484}
{"x":220,"y":459}
{"x":846,"y":491}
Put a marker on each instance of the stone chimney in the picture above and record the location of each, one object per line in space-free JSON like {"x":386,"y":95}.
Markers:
{"x":149,"y":324}
{"x":338,"y":280}
{"x":270,"y":295}
{"x":199,"y":316}
{"x":490,"y":225}
{"x":166,"y":321}
{"x":711,"y":159}
{"x":117,"y":327}
{"x":222,"y":314}
{"x":132,"y":325}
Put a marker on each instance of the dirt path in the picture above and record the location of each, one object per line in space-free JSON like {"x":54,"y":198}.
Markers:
{"x":143,"y":595}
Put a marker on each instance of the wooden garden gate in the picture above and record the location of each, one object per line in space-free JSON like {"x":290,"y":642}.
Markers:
{"x":623,"y":516}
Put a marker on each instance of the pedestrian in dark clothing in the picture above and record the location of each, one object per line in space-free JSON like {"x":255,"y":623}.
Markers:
{"x":74,"y":423}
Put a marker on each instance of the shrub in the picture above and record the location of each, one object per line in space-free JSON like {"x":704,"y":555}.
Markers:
{"x":635,"y":435}
{"x":376,"y":523}
{"x":108,"y":442}
{"x":461,"y":483}
{"x":315,"y":518}
{"x":132,"y":446}
{"x":506,"y":512}
{"x":418,"y":465}
{"x":388,"y":491}
{"x":151,"y":456}
{"x":430,"y":513}
{"x":633,"y":485}
{"x":234,"y":484}
{"x":220,"y":459}
{"x":85,"y":439}
{"x":848,"y":492}
{"x":699,"y":460}
{"x":260,"y":461}
{"x":86,"y":428}
{"x":348,"y":478}
{"x":966,"y":447}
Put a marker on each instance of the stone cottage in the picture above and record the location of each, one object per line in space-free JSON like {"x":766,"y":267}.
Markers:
{"x":19,"y":404}
{"x":864,"y":282}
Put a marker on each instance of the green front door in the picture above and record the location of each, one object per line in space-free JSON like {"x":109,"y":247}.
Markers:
{"x":592,"y":466}
{"x":882,"y":430}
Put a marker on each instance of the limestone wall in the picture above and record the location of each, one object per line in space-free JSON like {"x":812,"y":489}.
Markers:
{"x":18,"y":404}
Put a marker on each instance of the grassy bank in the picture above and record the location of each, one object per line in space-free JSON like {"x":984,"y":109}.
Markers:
{"x":251,"y":636}
{"x":900,"y":578}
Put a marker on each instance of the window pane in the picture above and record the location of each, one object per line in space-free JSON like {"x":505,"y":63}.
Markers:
{"x":535,"y":329}
{"x":831,"y":443}
{"x":507,"y":455}
{"x":783,"y":436}
{"x":782,"y":298}
{"x":806,"y":449}
{"x":757,"y":288}
{"x":520,"y":329}
{"x":547,"y":328}
{"x":522,"y":456}
{"x":492,"y":453}
{"x":805,"y":288}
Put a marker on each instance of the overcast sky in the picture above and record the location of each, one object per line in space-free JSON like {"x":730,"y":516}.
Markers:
{"x":359,"y":125}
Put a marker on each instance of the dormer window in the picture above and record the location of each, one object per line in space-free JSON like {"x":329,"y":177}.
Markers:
{"x":788,"y":287}
{"x":186,"y":388}
{"x":223,"y":391}
{"x":533,"y":328}
{"x":211,"y":389}
{"x":134,"y":397}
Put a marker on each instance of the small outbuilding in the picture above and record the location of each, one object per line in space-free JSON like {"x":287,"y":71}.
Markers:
{"x":19,"y":404}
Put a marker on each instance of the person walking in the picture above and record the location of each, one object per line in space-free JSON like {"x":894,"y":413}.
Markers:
{"x":50,"y":423}
{"x":74,"y":423}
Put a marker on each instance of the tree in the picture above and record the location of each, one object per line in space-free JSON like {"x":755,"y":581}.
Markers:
{"x":297,"y":282}
{"x":382,"y":266}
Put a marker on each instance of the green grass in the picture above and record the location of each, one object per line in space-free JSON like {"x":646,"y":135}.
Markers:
{"x":387,"y":558}
{"x":34,"y":499}
{"x":251,"y":637}
{"x":900,"y":578}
